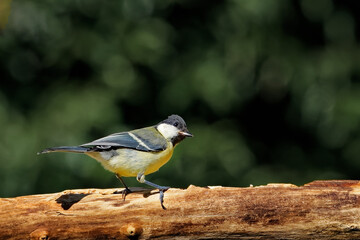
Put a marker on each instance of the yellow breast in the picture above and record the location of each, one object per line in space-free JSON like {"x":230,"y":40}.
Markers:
{"x":163,"y":158}
{"x":130,"y":162}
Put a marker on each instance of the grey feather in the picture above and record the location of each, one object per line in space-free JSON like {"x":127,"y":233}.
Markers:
{"x":74,"y":149}
{"x":144,"y":139}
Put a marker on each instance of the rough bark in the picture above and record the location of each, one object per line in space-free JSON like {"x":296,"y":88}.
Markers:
{"x":318,"y":210}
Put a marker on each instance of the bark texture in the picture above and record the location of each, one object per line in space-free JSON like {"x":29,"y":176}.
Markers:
{"x":318,"y":210}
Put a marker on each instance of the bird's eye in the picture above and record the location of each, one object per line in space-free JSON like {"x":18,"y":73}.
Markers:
{"x":176,"y":124}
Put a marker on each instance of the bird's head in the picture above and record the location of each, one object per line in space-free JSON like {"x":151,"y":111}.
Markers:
{"x":174,"y":129}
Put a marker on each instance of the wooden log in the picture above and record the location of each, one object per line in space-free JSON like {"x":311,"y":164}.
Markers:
{"x":318,"y":210}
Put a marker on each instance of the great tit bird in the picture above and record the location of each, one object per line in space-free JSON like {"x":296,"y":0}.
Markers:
{"x":135,"y":153}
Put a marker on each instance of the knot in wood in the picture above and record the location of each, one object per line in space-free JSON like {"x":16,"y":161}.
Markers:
{"x":39,"y":234}
{"x":131,"y":230}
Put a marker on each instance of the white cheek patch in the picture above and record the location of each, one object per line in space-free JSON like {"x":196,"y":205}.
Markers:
{"x":168,"y":131}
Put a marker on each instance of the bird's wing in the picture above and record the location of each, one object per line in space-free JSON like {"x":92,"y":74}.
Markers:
{"x":145,"y":139}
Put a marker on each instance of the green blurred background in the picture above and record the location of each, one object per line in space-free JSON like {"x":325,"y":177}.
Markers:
{"x":270,"y":89}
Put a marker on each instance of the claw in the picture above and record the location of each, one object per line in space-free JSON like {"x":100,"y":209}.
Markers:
{"x":125,"y":192}
{"x":161,"y":191}
{"x":141,"y":178}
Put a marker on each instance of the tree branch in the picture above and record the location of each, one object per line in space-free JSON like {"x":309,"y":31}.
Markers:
{"x":318,"y":210}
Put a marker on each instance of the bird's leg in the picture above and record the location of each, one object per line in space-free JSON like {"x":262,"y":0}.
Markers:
{"x":126,"y":191}
{"x":141,"y":178}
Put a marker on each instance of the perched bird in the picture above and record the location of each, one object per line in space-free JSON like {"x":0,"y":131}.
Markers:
{"x":135,"y":153}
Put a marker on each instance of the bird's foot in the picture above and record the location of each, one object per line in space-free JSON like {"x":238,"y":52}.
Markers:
{"x":161,"y":191}
{"x":124,"y":192}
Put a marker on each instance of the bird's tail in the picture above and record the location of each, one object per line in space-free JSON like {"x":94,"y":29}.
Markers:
{"x":73,"y":149}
